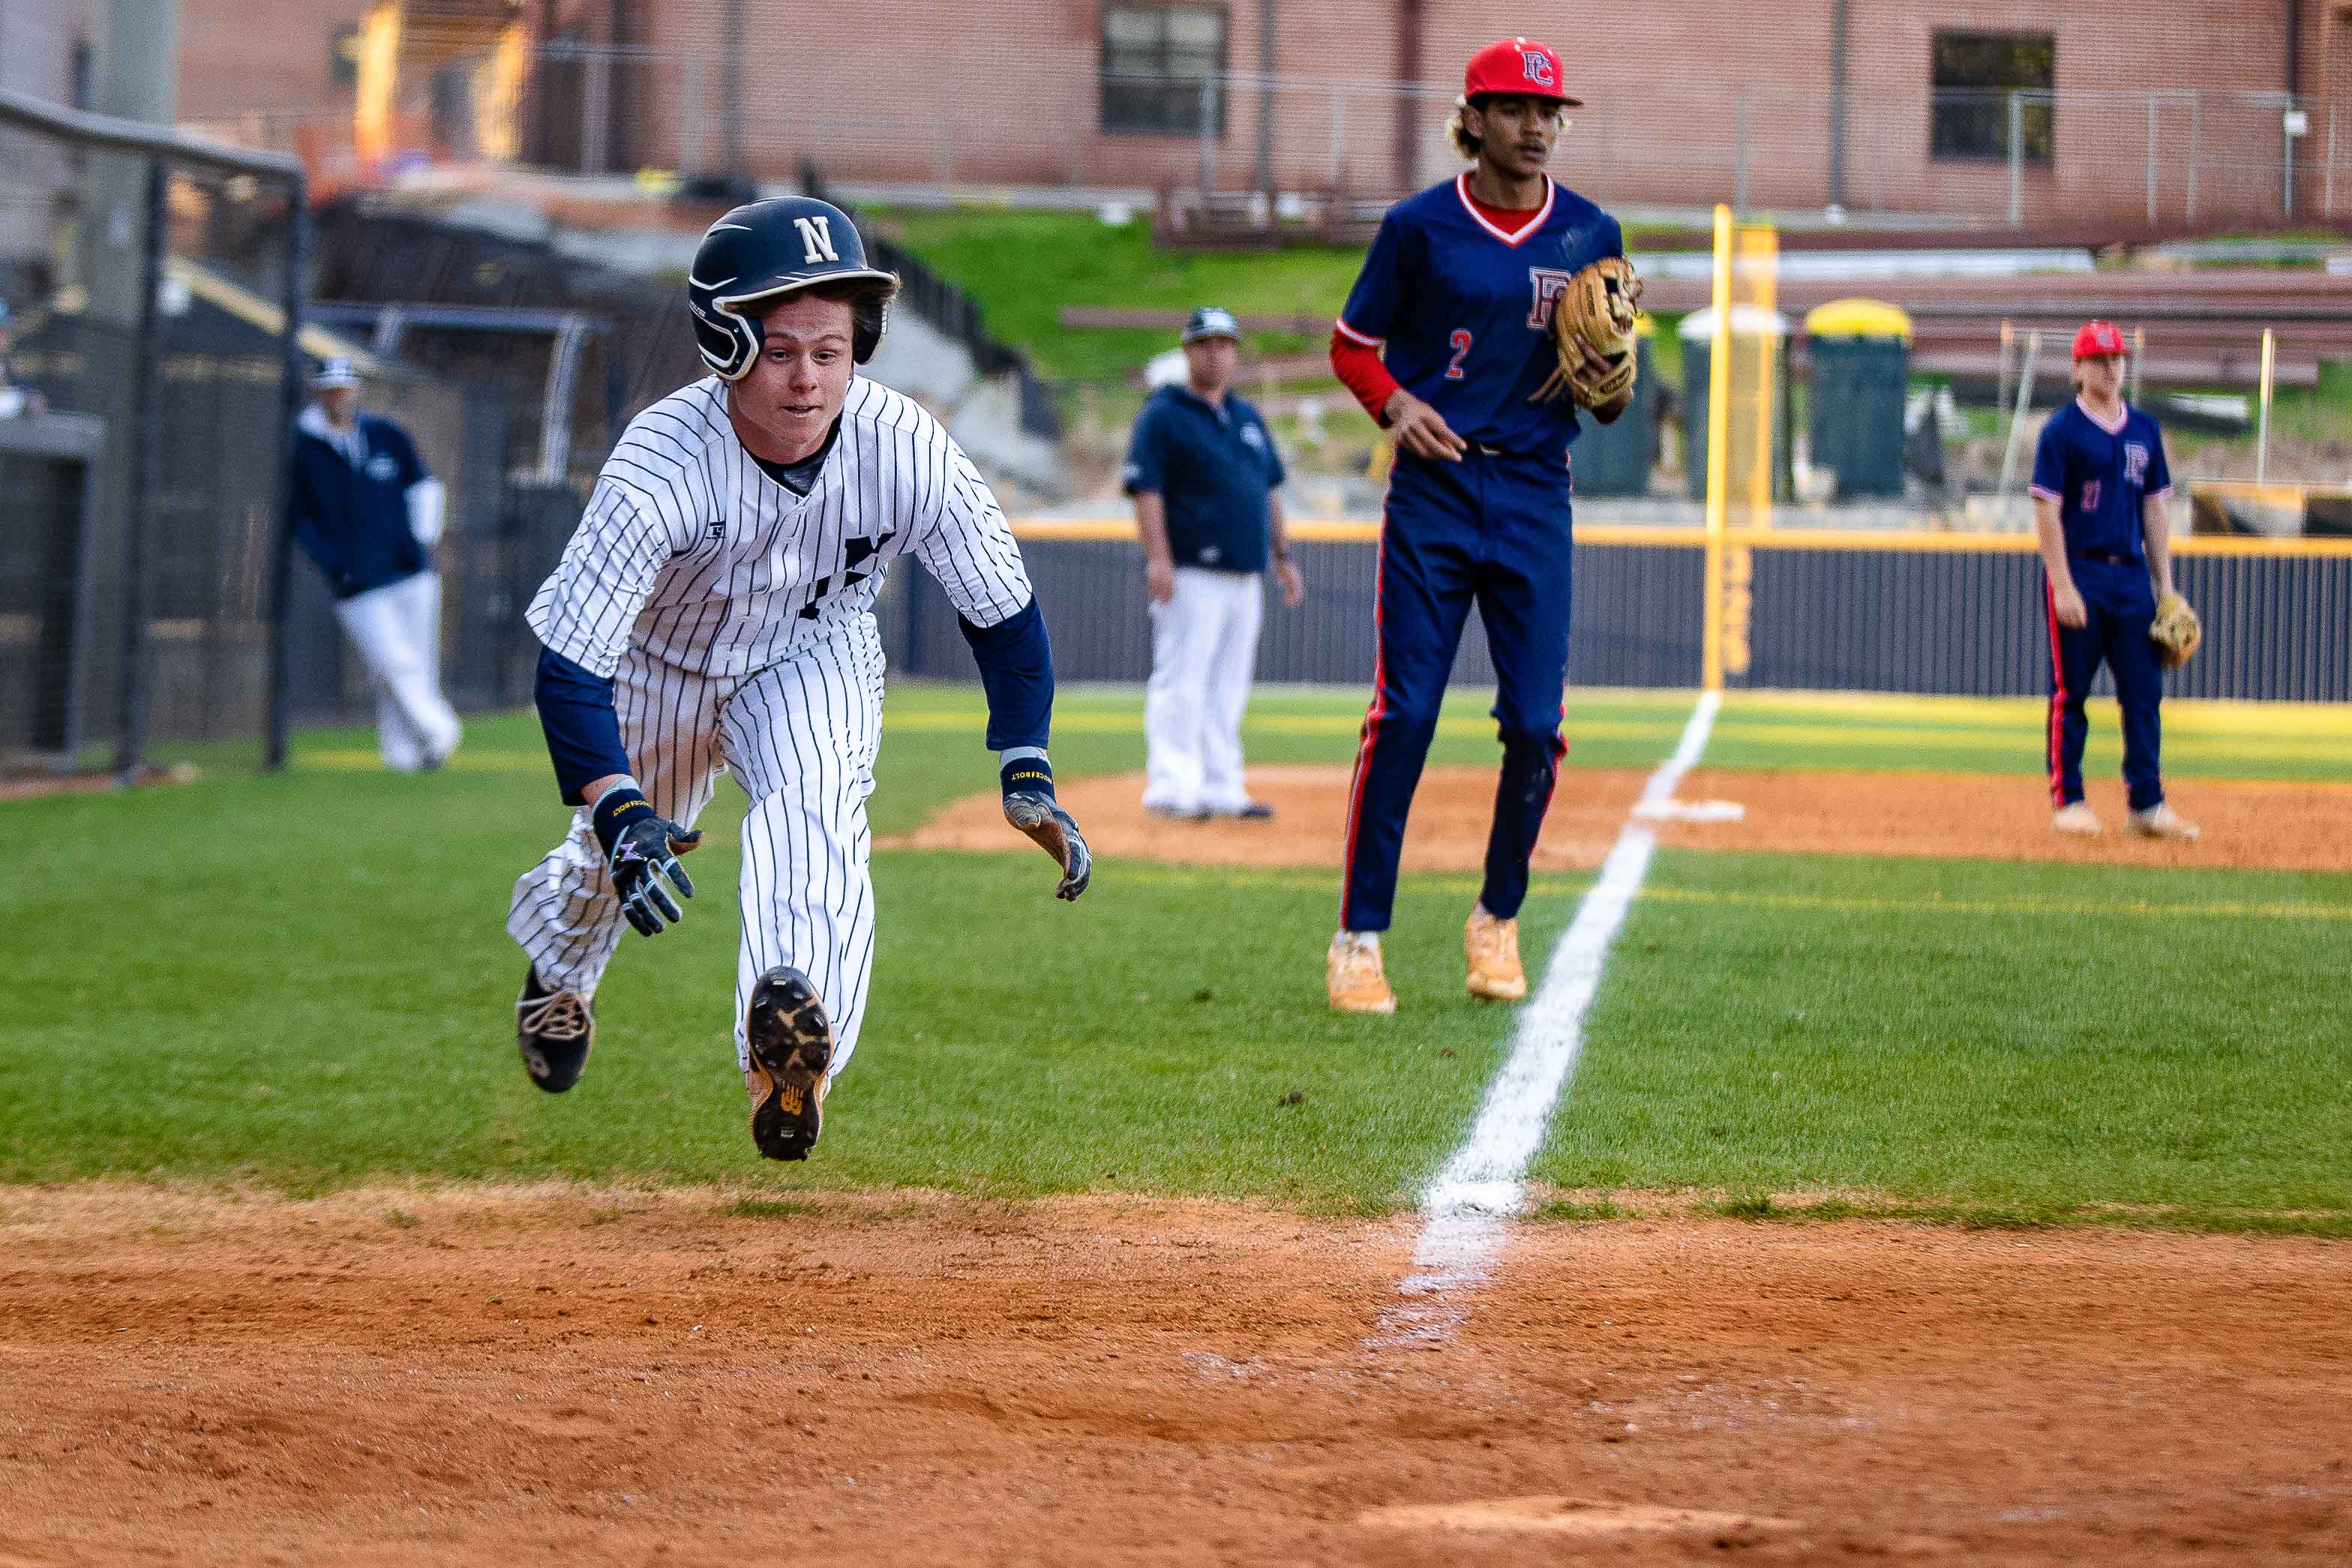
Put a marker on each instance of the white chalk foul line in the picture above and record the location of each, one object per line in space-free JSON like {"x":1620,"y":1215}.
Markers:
{"x":1482,"y":1184}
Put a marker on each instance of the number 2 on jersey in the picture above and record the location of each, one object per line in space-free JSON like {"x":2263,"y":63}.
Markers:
{"x":1461,"y":342}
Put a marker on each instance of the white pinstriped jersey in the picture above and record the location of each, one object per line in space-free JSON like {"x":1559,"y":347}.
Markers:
{"x":691,"y":552}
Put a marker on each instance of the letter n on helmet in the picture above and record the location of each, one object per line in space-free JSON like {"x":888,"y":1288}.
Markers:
{"x":765,"y":250}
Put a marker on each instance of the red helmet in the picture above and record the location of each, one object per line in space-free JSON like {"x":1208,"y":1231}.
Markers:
{"x":2098,"y":337}
{"x":1517,"y":66}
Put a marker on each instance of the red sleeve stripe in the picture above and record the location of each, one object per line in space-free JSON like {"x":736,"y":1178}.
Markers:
{"x":1357,"y":364}
{"x":1358,"y":336}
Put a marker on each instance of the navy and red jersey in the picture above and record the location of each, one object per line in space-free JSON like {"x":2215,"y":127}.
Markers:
{"x":2101,"y":477}
{"x":1464,"y":306}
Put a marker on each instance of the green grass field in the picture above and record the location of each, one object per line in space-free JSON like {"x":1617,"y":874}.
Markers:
{"x":301,"y":981}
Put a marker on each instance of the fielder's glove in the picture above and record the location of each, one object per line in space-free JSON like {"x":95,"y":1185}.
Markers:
{"x":642,"y":847}
{"x":1592,"y":331}
{"x":2175,"y":632}
{"x":1030,"y":806}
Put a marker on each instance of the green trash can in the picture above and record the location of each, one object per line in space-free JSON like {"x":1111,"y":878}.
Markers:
{"x":1697,"y":335}
{"x":1860,"y":373}
{"x":1616,"y":459}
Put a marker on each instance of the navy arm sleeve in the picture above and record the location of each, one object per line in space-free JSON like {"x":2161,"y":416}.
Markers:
{"x":1016,"y":669}
{"x":583,"y":731}
{"x":302,"y":518}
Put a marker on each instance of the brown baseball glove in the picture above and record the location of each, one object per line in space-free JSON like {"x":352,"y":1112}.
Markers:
{"x":2175,"y":632}
{"x":1592,"y":329}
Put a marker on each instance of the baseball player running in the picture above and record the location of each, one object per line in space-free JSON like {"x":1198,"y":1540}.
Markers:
{"x":1503,"y":303}
{"x":714,"y":610}
{"x":2100,"y":483}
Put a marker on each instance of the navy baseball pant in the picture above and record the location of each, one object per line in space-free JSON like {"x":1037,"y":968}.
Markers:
{"x":1492,"y":529}
{"x":2120,"y":602}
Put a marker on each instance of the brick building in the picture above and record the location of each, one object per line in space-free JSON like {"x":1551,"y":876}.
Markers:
{"x":2176,"y":106}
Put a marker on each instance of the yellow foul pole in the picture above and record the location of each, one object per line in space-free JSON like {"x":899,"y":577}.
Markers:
{"x":1759,"y":255}
{"x":1718,"y":453}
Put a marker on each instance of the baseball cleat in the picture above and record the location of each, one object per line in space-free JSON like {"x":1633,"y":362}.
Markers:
{"x":791,"y":1044}
{"x":1177,"y":814}
{"x":1354,"y":978}
{"x":1492,"y":946}
{"x":2076,"y":819}
{"x":1249,"y":812}
{"x":2161,"y":821}
{"x":553,"y":1029}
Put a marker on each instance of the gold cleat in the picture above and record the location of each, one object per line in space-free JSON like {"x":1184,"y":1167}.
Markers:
{"x":1353,"y":976}
{"x":2161,"y":821}
{"x":2076,"y":820}
{"x":791,"y":1044}
{"x":1492,"y":946}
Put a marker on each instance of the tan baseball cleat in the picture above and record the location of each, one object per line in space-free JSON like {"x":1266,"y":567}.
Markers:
{"x":1492,"y":945}
{"x":2161,"y":821}
{"x":1355,"y":979}
{"x":2075,"y":820}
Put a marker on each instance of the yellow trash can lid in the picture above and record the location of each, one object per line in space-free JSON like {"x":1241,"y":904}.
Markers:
{"x":1858,"y":318}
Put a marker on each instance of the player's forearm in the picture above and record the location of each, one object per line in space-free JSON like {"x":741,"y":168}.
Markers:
{"x":1016,"y":670}
{"x":582,"y":728}
{"x":1278,"y":527}
{"x":2051,"y":535}
{"x":1151,"y":527}
{"x":2156,"y":528}
{"x":1358,"y":367}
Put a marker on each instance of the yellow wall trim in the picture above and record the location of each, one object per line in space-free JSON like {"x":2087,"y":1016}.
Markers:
{"x":1367,"y":531}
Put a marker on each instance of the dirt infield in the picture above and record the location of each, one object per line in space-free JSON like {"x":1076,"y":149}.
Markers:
{"x":568,"y":1376}
{"x":2286,"y":827}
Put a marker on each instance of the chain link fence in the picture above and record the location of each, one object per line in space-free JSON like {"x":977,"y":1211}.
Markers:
{"x":151,"y":608}
{"x":1318,"y":147}
{"x":151,"y":279}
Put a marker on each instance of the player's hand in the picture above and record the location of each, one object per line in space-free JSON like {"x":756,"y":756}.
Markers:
{"x":1293,"y":586}
{"x":1420,"y":429}
{"x":1160,"y":581}
{"x":1052,"y":829}
{"x":641,"y":847}
{"x":2067,"y":603}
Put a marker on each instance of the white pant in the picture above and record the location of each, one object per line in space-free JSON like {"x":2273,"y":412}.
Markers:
{"x":1204,"y":653}
{"x":398,"y":630}
{"x":799,"y":737}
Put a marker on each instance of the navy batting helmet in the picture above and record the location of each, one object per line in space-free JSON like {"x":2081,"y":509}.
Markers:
{"x":766,"y":250}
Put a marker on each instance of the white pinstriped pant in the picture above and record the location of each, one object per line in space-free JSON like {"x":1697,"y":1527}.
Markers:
{"x":799,"y":737}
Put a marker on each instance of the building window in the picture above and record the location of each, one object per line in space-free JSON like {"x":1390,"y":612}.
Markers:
{"x":1156,"y":61}
{"x":1974,"y":77}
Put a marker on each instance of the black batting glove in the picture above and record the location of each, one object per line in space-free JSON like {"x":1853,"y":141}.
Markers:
{"x":642,"y":847}
{"x":1030,"y":806}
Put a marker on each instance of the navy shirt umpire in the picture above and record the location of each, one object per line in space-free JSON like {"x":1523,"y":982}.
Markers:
{"x":1207,"y":483}
{"x":367,"y":512}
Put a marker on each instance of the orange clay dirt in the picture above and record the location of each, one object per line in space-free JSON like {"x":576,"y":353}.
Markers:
{"x":571,"y":1376}
{"x":2287,"y":826}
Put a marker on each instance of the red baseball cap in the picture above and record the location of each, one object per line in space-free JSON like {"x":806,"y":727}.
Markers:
{"x":2098,"y":337}
{"x":1517,"y":66}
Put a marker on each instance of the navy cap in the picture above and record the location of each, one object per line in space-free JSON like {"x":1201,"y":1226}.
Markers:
{"x":1212,"y":321}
